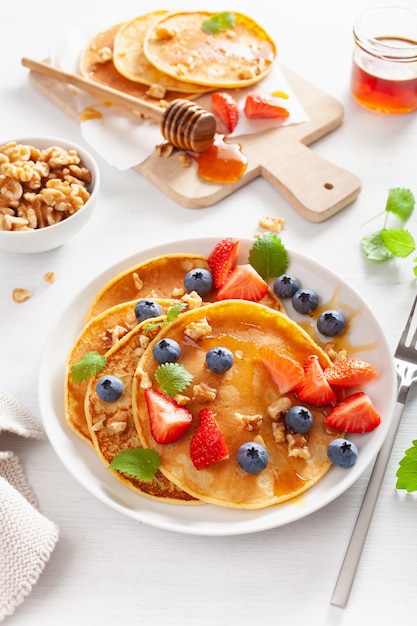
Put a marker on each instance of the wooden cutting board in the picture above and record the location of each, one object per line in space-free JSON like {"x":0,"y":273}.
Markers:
{"x":314,"y":186}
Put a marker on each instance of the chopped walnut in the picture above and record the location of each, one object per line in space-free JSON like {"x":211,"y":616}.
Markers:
{"x":162,"y":32}
{"x":49,"y":277}
{"x":334,"y":354}
{"x":278,"y":432}
{"x":197,"y":330}
{"x":164,"y":149}
{"x":204,"y":393}
{"x":275,"y":224}
{"x":117,"y":333}
{"x":117,"y":427}
{"x":137,"y":281}
{"x":20,"y":295}
{"x":178,"y":292}
{"x":98,"y":426}
{"x":104,"y":54}
{"x":297,"y":445}
{"x":193,"y":300}
{"x":246,"y":73}
{"x":181,"y":399}
{"x":184,"y":159}
{"x":156,"y":91}
{"x":277,"y":408}
{"x":145,"y":381}
{"x":250,"y":422}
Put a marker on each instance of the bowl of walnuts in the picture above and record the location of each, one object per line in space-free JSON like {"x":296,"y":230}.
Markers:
{"x":48,"y":192}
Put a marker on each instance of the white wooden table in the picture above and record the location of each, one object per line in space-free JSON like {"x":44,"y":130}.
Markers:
{"x":106,"y":567}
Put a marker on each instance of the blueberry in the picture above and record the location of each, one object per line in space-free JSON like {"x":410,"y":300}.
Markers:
{"x":299,"y":419}
{"x":285,"y":286}
{"x":199,"y":280}
{"x":331,"y":323}
{"x":219,"y":360}
{"x":252,"y":457}
{"x":166,"y":351}
{"x":342,"y":452}
{"x":305,"y":301}
{"x":145,"y":309}
{"x":109,"y":388}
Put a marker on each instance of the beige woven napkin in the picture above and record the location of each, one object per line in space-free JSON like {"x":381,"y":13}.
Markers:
{"x":27,"y":538}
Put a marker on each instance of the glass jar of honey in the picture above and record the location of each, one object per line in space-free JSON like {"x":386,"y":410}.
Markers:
{"x":384,"y":67}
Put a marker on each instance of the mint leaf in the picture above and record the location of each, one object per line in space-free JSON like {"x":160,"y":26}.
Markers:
{"x":398,"y":241}
{"x":374,"y":248}
{"x":268,"y":256}
{"x":400,"y":203}
{"x":173,"y":378}
{"x":218,"y":22}
{"x":174,"y":311}
{"x":140,"y":463}
{"x":90,"y":363}
{"x":407,"y":471}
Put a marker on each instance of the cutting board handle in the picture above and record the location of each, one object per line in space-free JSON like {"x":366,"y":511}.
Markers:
{"x":315,"y":187}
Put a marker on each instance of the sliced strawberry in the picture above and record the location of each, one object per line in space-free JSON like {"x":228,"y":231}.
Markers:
{"x":168,"y":420}
{"x":258,"y":106}
{"x":354,"y":414}
{"x":224,"y":106}
{"x":286,"y":373}
{"x":207,"y":445}
{"x":315,"y":389}
{"x":222,"y":259}
{"x":244,"y":283}
{"x":351,"y":373}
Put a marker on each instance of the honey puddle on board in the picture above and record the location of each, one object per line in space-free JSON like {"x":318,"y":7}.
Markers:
{"x":222,"y":162}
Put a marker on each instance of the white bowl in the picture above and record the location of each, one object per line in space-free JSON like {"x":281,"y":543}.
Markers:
{"x":51,"y":237}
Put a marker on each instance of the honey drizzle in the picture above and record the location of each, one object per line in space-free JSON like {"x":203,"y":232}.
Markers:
{"x":222,"y":162}
{"x":342,"y":341}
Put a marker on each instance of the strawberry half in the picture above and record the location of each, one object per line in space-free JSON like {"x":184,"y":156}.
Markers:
{"x":286,"y":373}
{"x":168,"y":420}
{"x":243,"y":283}
{"x":258,"y":106}
{"x":315,"y":389}
{"x":351,"y":373}
{"x":222,"y":259}
{"x":207,"y":445}
{"x":224,"y":106}
{"x":354,"y":414}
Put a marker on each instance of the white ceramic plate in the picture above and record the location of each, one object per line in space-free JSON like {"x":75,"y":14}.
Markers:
{"x":366,"y":337}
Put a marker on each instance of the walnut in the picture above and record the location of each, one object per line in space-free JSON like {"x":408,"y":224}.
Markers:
{"x":192,"y":299}
{"x":250,"y":422}
{"x":156,"y":91}
{"x":297,"y":446}
{"x":277,"y":408}
{"x":278,"y":432}
{"x":197,"y":330}
{"x":49,"y":277}
{"x":20,"y":295}
{"x":204,"y":393}
{"x":137,"y":281}
{"x":275,"y":224}
{"x":164,"y":149}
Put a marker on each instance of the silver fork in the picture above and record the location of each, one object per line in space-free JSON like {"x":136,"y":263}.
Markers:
{"x":406,"y":365}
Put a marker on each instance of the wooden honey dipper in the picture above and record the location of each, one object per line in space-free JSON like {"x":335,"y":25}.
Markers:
{"x":183,"y":123}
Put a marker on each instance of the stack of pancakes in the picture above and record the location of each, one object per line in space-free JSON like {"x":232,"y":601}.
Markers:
{"x":112,"y":329}
{"x":161,"y":56}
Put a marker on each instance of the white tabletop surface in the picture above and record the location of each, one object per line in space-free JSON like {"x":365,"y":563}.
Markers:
{"x":106,"y":567}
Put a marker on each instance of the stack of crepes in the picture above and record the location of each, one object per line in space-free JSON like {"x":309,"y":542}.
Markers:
{"x":237,"y":398}
{"x":164,"y":55}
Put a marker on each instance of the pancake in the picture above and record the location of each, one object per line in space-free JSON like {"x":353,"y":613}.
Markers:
{"x":160,"y":277}
{"x":245,"y":390}
{"x":96,"y":64}
{"x":111,"y":424}
{"x":131,"y":62}
{"x":235,"y":57}
{"x":100,"y":334}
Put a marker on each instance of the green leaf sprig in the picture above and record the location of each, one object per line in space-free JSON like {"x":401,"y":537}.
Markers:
{"x":173,"y":378}
{"x":172,"y":314}
{"x":140,"y":463}
{"x":407,"y":471}
{"x":90,"y":363}
{"x":392,"y":242}
{"x":218,"y":22}
{"x":269,"y":256}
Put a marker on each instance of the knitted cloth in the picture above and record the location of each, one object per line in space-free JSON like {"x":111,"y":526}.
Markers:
{"x":27,"y":538}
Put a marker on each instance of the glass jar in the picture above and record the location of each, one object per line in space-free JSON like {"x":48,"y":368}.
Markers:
{"x":384,"y":67}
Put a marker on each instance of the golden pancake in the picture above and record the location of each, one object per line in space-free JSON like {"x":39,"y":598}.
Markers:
{"x":237,"y":56}
{"x":160,"y":277}
{"x":242,"y":394}
{"x":131,"y":62}
{"x":111,"y":424}
{"x":96,"y":64}
{"x":99,"y":335}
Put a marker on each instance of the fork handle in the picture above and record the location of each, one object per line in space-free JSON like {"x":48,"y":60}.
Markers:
{"x":350,"y":563}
